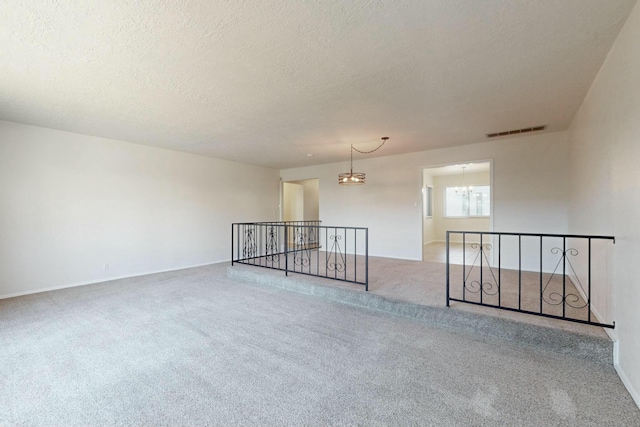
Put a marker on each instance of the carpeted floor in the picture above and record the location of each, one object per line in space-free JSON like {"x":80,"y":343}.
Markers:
{"x":197,"y":348}
{"x":423,"y":282}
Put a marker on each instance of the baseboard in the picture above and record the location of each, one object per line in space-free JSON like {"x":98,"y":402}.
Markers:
{"x":574,"y":280}
{"x":450,"y":241}
{"x":106,"y":279}
{"x":623,"y":377}
{"x":456,"y":241}
{"x":395,"y":257}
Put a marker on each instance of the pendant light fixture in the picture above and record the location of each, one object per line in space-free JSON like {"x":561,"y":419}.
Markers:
{"x":465,"y":189}
{"x":357,"y":178}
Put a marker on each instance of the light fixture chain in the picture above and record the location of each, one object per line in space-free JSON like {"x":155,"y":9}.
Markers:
{"x":357,"y":178}
{"x":352,"y":159}
{"x":368,"y":152}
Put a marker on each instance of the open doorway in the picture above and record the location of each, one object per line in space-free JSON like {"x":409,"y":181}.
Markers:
{"x":455,"y":197}
{"x":300,"y":200}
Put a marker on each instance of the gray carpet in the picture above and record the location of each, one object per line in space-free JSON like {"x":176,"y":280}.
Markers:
{"x":197,"y":348}
{"x":593,"y":347}
{"x":423,"y":283}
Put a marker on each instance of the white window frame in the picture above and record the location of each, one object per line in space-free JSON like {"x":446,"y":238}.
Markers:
{"x":468,"y":215}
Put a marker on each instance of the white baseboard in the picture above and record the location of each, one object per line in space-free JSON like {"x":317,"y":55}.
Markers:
{"x":600,"y":317}
{"x":106,"y":279}
{"x":451,"y":241}
{"x":623,"y":377}
{"x":388,"y":257}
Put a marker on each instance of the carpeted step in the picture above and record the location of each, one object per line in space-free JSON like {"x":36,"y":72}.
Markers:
{"x":597,"y":349}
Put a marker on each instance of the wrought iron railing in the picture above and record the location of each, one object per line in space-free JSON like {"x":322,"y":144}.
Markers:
{"x":550,"y":275}
{"x":304,"y":247}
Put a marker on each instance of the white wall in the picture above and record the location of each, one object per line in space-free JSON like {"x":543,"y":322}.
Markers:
{"x":605,"y":184}
{"x":443,"y":223}
{"x":310,"y":194}
{"x":529,"y":190}
{"x":70,"y":203}
{"x":311,"y":188}
{"x":293,"y":202}
{"x":428,"y":226}
{"x":300,"y":200}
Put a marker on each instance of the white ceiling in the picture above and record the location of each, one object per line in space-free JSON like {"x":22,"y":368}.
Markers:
{"x":457,"y":169}
{"x":268,"y":82}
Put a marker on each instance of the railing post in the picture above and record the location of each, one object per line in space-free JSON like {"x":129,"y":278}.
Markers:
{"x":346,"y":253}
{"x":589,"y":284}
{"x":499,"y":269}
{"x":366,"y":259}
{"x":541,"y":289}
{"x":519,"y":272}
{"x":447,"y":250}
{"x":286,"y":249}
{"x":564,"y":276}
{"x":335,"y":251}
{"x":232,"y":244}
{"x":355,"y":255}
{"x":464,"y":265}
{"x":481,"y":254}
{"x":326,"y":252}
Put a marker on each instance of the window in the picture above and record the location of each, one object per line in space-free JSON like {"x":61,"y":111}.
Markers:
{"x":467,"y":201}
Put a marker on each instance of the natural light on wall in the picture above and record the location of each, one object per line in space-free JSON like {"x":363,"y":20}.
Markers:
{"x":475,"y":202}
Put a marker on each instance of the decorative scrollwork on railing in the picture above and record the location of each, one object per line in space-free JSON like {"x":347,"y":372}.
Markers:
{"x":475,"y":286}
{"x":301,"y":254}
{"x":299,"y":237}
{"x":249,"y":249}
{"x":313,"y":237}
{"x":272,"y":245}
{"x":335,"y":258}
{"x":571,"y":299}
{"x":485,"y":246}
{"x":487,"y":288}
{"x":302,"y":258}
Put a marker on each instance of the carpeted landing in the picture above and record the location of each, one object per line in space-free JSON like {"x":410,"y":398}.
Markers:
{"x":195,"y":347}
{"x":578,"y":340}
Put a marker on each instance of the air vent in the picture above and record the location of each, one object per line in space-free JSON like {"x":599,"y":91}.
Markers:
{"x":516,"y":131}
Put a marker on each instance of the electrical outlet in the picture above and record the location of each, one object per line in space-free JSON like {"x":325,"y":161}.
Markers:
{"x":106,"y":267}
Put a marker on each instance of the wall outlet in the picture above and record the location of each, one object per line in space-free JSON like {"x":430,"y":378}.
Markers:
{"x":106,"y":267}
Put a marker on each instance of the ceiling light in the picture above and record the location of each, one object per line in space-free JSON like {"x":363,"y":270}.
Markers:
{"x":465,"y":189}
{"x":357,"y":178}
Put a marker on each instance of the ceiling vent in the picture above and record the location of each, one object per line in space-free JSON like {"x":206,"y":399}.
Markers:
{"x":516,"y":131}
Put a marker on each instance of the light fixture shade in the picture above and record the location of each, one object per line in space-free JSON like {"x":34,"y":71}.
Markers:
{"x":357,"y":178}
{"x":352,"y":178}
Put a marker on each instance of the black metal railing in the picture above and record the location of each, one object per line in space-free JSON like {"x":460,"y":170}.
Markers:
{"x":550,"y":275}
{"x":304,"y":247}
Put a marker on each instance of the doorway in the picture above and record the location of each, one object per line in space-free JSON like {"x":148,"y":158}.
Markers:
{"x":301,"y":200}
{"x":455,"y":197}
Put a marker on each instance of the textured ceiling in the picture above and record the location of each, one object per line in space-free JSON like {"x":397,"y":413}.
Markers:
{"x":457,"y":169}
{"x":267,"y":82}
